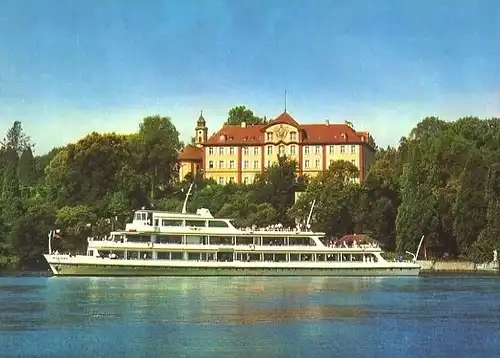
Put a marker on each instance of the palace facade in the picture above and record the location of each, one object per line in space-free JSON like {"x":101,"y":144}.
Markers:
{"x":237,"y":153}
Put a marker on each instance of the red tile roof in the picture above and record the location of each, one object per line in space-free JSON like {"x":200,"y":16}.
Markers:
{"x":310,"y":133}
{"x":283,"y":118}
{"x":190,"y":152}
{"x":236,"y":134}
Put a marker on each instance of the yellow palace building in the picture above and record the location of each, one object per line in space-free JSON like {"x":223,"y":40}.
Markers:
{"x":237,"y":153}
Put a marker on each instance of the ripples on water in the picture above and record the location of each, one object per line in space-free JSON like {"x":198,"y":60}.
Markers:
{"x":249,"y":317}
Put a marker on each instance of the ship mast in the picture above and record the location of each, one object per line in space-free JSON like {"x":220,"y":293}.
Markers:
{"x":184,"y":207}
{"x":308,"y":223}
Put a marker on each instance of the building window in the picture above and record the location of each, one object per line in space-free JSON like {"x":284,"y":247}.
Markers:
{"x":210,"y":150}
{"x":231,"y":164}
{"x":245,"y":180}
{"x":293,"y":135}
{"x":231,"y":150}
{"x":256,"y":151}
{"x":269,"y":149}
{"x":306,"y":164}
{"x":269,"y":136}
{"x":221,"y":150}
{"x":292,"y":150}
{"x":342,"y":149}
{"x":245,"y":150}
{"x":317,"y":149}
{"x":269,"y":164}
{"x":245,"y":164}
{"x":332,"y":149}
{"x":221,"y":180}
{"x":282,"y":150}
{"x":331,"y":161}
{"x":256,"y":164}
{"x":316,"y":163}
{"x":231,"y":180}
{"x":221,"y":164}
{"x":211,"y":164}
{"x":353,"y":161}
{"x":306,"y":149}
{"x":353,"y":149}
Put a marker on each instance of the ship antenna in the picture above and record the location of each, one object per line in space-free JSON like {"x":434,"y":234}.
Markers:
{"x":308,"y":223}
{"x":184,"y":207}
{"x":415,"y":255}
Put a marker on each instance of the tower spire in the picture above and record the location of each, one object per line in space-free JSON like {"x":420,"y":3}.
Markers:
{"x":285,"y":101}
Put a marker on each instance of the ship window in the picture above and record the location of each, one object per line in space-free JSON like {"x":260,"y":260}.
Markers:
{"x":220,"y":240}
{"x":212,"y":223}
{"x":171,"y":239}
{"x":144,"y":216}
{"x":268,"y":257}
{"x":301,"y":241}
{"x":137,"y":216}
{"x":167,"y":222}
{"x":320,"y":257}
{"x":244,"y":240}
{"x":163,"y":255}
{"x":196,"y":240}
{"x":279,"y":257}
{"x":176,"y":256}
{"x":195,"y":223}
{"x":138,"y":238}
{"x":294,"y":257}
{"x":273,"y":241}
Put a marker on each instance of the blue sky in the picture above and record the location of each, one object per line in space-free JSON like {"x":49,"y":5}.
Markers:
{"x":71,"y":67}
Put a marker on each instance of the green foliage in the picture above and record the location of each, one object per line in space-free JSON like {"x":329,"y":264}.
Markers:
{"x":333,"y":190}
{"x":16,"y":139}
{"x":26,"y":168}
{"x":157,"y":146}
{"x":277,"y":186}
{"x":76,"y":224}
{"x":240,"y":114}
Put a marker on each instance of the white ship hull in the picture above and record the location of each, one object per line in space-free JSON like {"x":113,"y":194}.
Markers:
{"x":65,"y":265}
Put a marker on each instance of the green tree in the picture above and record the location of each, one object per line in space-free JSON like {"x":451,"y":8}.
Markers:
{"x":333,"y":191}
{"x":11,"y":203}
{"x":469,"y":210}
{"x":76,"y":224}
{"x":277,"y":186}
{"x":17,"y":139}
{"x":240,"y":114}
{"x":31,"y":235}
{"x":85,"y":172}
{"x":26,"y":168}
{"x":158,"y":141}
{"x":417,"y":214}
{"x":482,"y":249}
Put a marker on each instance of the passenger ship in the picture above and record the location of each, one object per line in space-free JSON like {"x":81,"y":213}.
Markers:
{"x":158,"y":243}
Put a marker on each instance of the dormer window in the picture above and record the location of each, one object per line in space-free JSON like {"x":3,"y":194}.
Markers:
{"x":293,"y":135}
{"x":269,"y":136}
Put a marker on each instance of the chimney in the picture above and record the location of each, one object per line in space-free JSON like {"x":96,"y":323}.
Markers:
{"x":243,"y":124}
{"x":327,"y":122}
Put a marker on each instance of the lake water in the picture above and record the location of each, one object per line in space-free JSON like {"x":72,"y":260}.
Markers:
{"x":250,"y":317}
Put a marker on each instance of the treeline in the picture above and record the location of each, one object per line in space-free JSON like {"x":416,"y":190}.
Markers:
{"x":443,"y":181}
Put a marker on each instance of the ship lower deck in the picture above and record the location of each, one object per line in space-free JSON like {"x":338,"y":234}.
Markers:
{"x":107,"y":267}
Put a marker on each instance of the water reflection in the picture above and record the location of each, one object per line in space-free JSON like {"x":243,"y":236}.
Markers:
{"x":90,"y":301}
{"x":296,"y":316}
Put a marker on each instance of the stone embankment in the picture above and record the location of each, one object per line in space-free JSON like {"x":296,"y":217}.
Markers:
{"x":459,"y":266}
